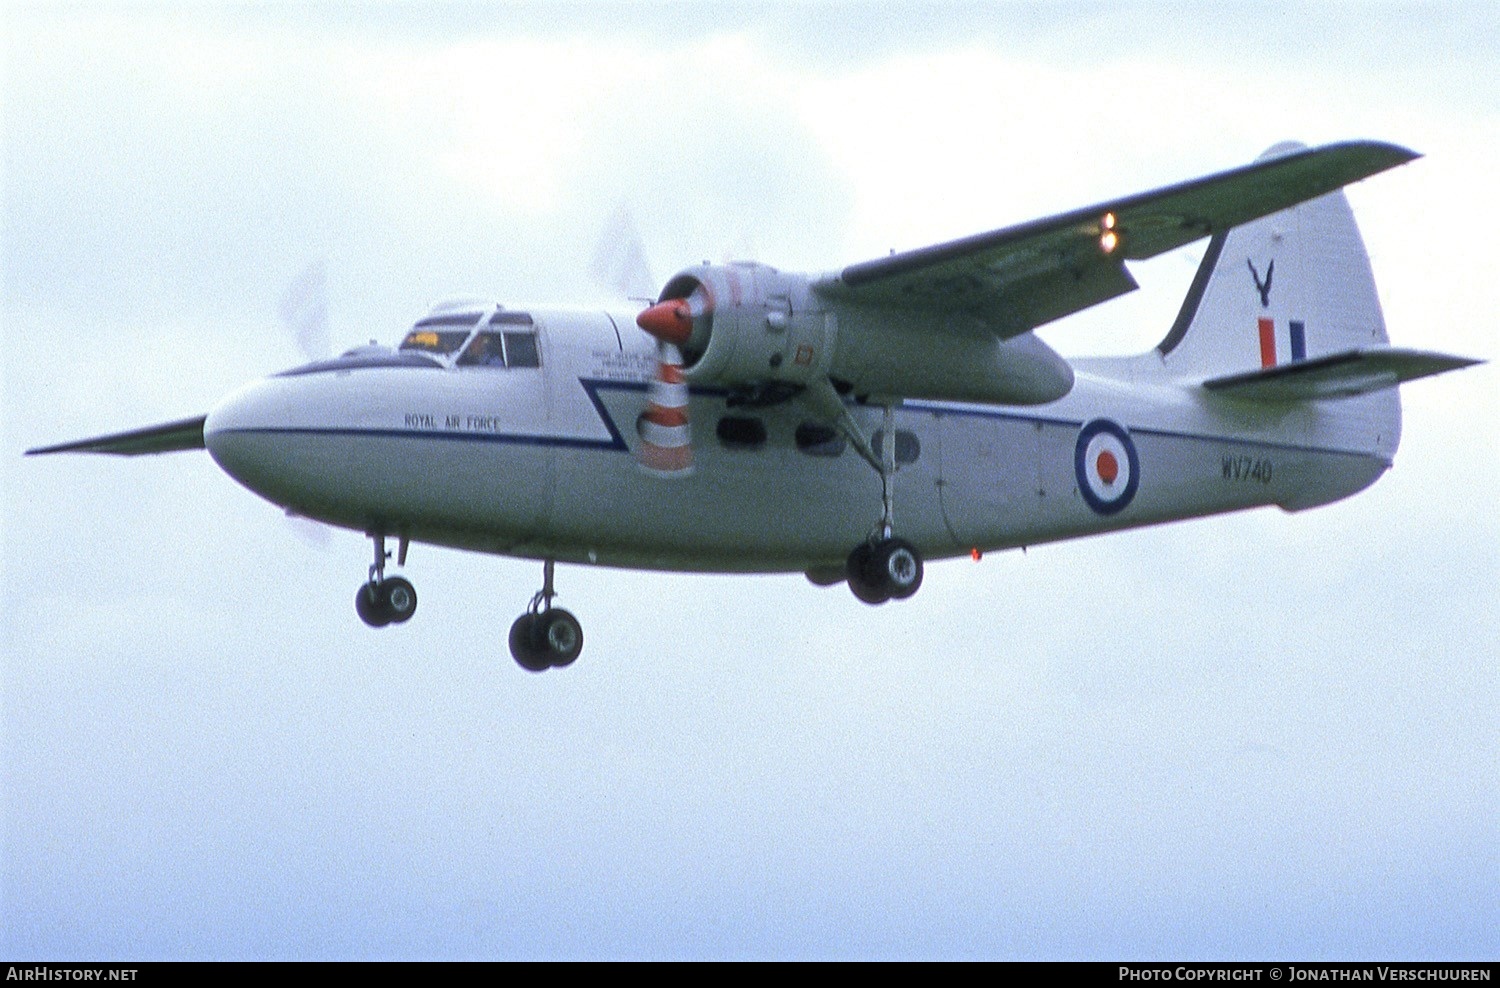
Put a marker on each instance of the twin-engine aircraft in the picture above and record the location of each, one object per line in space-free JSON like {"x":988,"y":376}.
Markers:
{"x":852,"y":424}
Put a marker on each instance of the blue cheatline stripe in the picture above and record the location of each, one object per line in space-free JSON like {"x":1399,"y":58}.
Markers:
{"x":615,"y":441}
{"x":971,"y":411}
{"x":1299,"y":342}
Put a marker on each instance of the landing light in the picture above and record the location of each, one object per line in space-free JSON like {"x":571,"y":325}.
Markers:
{"x":1108,"y":238}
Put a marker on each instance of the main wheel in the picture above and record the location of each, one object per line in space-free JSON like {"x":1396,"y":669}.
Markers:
{"x":523,"y":645}
{"x":897,"y":566}
{"x":861,"y":582}
{"x":369,"y":605}
{"x":559,"y":636}
{"x":399,"y":599}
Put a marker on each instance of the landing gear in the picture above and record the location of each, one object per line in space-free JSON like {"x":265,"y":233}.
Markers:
{"x":882,"y":567}
{"x":882,"y":570}
{"x":391,"y":601}
{"x":381,"y":601}
{"x":545,"y":637}
{"x":550,"y":639}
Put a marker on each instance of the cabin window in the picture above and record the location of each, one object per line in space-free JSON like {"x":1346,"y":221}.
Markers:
{"x":737,"y":432}
{"x":907,"y":446}
{"x":816,"y":439}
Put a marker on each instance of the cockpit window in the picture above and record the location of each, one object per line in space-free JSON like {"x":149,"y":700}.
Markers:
{"x":495,"y":338}
{"x":485,"y":350}
{"x":441,"y":334}
{"x":493,"y":348}
{"x":464,"y":319}
{"x":437,"y":341}
{"x":520,"y":350}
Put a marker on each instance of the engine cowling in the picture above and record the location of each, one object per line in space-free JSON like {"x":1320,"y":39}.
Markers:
{"x":747,"y":325}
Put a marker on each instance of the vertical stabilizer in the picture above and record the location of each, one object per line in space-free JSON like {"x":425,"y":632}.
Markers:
{"x":1291,"y":287}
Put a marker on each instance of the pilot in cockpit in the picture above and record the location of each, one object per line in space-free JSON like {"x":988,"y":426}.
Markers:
{"x":483,"y":351}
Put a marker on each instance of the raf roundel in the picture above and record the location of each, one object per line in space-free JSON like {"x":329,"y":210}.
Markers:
{"x":1106,"y":465}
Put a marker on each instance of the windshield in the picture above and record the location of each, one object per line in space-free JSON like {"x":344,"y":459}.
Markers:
{"x":440,"y":335}
{"x":496,"y":348}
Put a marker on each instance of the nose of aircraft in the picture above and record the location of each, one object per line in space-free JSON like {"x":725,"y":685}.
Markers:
{"x":241,"y":435}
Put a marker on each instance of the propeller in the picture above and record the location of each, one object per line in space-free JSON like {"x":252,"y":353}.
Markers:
{"x":620,"y":262}
{"x":666,"y":447}
{"x":304,"y":315}
{"x":304,"y":311}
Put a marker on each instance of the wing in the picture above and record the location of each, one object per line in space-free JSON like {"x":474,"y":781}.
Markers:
{"x":1021,"y":277}
{"x":168,"y":438}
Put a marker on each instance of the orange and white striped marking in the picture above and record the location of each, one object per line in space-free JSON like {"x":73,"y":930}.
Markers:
{"x":666,"y":439}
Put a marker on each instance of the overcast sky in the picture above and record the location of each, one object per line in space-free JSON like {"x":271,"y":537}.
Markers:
{"x":1258,"y":736}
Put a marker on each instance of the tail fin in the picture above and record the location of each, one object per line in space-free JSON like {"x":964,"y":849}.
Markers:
{"x":1291,"y":287}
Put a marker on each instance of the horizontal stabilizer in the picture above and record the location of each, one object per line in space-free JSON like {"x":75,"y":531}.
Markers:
{"x":1338,"y":375}
{"x":168,"y":438}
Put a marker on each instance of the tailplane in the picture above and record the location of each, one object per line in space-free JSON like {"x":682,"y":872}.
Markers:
{"x":1338,"y":375}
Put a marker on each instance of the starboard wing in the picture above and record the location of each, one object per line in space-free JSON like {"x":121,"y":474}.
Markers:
{"x":1020,"y":277}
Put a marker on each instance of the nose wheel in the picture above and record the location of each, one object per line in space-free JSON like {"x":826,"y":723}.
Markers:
{"x":545,"y":637}
{"x":383,"y":600}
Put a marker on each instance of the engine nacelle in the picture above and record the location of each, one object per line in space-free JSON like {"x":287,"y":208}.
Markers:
{"x":755,"y":327}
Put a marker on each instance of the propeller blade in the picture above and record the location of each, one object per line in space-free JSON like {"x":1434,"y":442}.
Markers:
{"x":304,"y":312}
{"x":304,"y":315}
{"x":666,"y":447}
{"x":620,"y":263}
{"x":314,"y":533}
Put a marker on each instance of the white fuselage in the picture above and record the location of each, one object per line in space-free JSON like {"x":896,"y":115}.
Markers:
{"x":539,"y":461}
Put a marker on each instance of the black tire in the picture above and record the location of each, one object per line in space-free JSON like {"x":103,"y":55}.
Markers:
{"x":523,"y":645}
{"x":559,"y":637}
{"x":398,"y":598}
{"x":857,"y":571}
{"x":369,"y":605}
{"x":897,"y":567}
